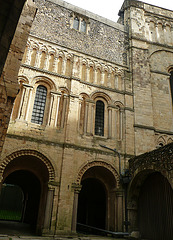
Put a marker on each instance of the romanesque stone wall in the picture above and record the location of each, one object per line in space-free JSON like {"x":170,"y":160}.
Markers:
{"x":54,"y":22}
{"x":8,"y":81}
{"x":151,"y":52}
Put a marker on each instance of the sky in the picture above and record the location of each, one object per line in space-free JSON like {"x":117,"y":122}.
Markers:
{"x":110,"y":8}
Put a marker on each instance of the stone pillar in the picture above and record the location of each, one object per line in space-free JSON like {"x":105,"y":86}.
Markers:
{"x":48,"y":210}
{"x":95,"y":76}
{"x":109,"y":122}
{"x":90,"y":118}
{"x":52,"y":99}
{"x":86,"y":117}
{"x":133,"y":217}
{"x":25,"y":102}
{"x":28,"y":110}
{"x":57,"y":109}
{"x":76,"y":188}
{"x":51,"y":208}
{"x":119,"y":210}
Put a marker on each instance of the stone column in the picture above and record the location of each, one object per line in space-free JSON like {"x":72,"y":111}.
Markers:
{"x":119,"y":210}
{"x":52,"y":99}
{"x":133,"y":217}
{"x":48,"y":210}
{"x":51,"y":208}
{"x":86,"y":117}
{"x":109,"y":122}
{"x":57,"y":109}
{"x":90,"y":118}
{"x":24,"y":104}
{"x":64,"y":111}
{"x":28,"y":103}
{"x":76,"y":188}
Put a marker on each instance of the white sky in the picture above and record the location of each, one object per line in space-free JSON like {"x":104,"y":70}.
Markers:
{"x":110,"y":8}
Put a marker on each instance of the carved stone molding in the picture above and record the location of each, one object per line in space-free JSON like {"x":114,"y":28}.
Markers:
{"x":160,"y":159}
{"x":98,"y":164}
{"x":27,"y":152}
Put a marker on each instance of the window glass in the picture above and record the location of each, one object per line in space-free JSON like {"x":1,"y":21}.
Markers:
{"x":76,"y":23}
{"x":83,"y":26}
{"x":99,"y":118}
{"x":39,"y":105}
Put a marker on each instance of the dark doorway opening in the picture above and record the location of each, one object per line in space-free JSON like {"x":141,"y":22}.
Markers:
{"x":27,"y":189}
{"x":156,"y":208}
{"x":92,"y":204}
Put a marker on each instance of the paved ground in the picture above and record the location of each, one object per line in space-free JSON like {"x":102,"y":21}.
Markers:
{"x":18,"y":231}
{"x":6,"y":237}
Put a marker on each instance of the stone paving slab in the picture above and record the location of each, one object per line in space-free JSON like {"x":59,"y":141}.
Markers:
{"x":5,"y":237}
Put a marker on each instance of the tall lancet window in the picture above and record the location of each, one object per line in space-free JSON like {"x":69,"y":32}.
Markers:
{"x":99,"y":118}
{"x":76,"y":23}
{"x":83,"y":26}
{"x":39,"y":105}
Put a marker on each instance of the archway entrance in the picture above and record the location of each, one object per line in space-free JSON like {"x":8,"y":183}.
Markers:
{"x":24,"y":192}
{"x":20,"y":197}
{"x":97,"y":202}
{"x":92,"y":204}
{"x":155,"y":208}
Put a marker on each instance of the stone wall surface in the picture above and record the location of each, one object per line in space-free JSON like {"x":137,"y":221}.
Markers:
{"x":128,"y":71}
{"x":53,"y":22}
{"x":8,"y":82}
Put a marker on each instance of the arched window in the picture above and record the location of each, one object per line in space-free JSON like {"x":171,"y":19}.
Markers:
{"x":171,"y":83}
{"x":76,"y":23}
{"x":83,"y":26}
{"x":39,"y":105}
{"x":99,"y":118}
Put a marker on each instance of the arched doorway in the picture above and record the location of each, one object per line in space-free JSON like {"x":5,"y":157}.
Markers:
{"x":155,"y":208}
{"x":31,"y":175}
{"x":97,"y":201}
{"x":92,"y":203}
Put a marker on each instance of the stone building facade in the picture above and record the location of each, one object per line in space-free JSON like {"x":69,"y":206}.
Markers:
{"x":16,"y":21}
{"x":86,"y":81}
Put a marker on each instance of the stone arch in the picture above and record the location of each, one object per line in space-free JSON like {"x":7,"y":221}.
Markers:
{"x":89,"y":165}
{"x":23,"y":79}
{"x":161,"y":141}
{"x":98,"y":94}
{"x":158,"y":56}
{"x":169,"y":140}
{"x":29,"y":152}
{"x":47,"y":80}
{"x":139,"y":180}
{"x":119,"y":104}
{"x":84,"y":96}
